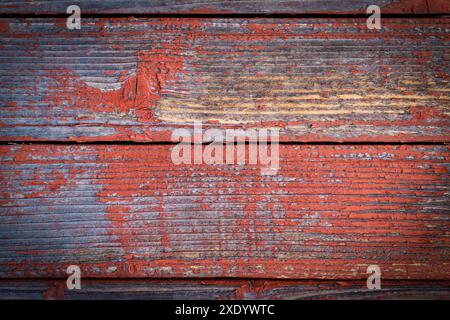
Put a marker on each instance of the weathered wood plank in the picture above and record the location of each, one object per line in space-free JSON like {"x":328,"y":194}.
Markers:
{"x":226,"y":7}
{"x":127,"y":211}
{"x":144,"y":289}
{"x":138,"y":79}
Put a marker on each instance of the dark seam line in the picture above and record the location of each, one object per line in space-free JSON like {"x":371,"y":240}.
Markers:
{"x":224,"y":16}
{"x":165,"y":143}
{"x":222,"y":279}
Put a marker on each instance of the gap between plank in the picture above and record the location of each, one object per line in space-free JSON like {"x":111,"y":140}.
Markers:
{"x":227,"y":279}
{"x":230,"y":15}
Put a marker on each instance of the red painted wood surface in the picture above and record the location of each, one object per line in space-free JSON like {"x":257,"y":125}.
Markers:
{"x":141,"y":227}
{"x":230,"y":289}
{"x":125,"y":79}
{"x":127,"y":211}
{"x":226,"y":7}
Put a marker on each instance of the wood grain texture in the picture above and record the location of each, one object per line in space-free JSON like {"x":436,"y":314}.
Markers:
{"x":138,"y":79}
{"x":144,"y":289}
{"x":126,"y":211}
{"x":226,"y":7}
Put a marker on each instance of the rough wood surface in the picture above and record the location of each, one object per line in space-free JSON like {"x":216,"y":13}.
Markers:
{"x":127,"y":211}
{"x":226,"y":7}
{"x":144,"y":289}
{"x":137,"y":79}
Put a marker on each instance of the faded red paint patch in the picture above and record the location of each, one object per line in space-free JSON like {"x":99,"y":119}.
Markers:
{"x":4,"y":26}
{"x":55,"y":291}
{"x":418,"y":6}
{"x":122,"y":215}
{"x":407,"y":6}
{"x":118,"y":216}
{"x":423,"y":56}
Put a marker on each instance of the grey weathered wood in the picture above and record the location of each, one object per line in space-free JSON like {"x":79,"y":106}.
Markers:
{"x":144,"y":289}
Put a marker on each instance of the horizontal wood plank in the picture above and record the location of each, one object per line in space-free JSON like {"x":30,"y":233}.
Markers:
{"x":225,"y":7}
{"x":144,"y":289}
{"x":123,"y":79}
{"x":127,"y":211}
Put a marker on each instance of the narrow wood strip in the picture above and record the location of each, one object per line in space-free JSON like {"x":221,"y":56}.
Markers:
{"x":128,"y":211}
{"x":170,"y":289}
{"x":226,"y":7}
{"x":139,"y":79}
